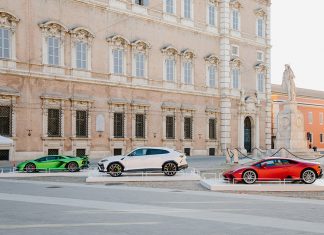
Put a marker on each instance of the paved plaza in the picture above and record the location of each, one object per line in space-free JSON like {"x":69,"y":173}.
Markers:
{"x":30,"y":207}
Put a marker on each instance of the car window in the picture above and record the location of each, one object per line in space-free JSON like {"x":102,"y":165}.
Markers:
{"x":269,"y":163}
{"x":156,"y":151}
{"x":42,"y":159}
{"x":51,"y":158}
{"x":285,"y":162}
{"x":138,"y":152}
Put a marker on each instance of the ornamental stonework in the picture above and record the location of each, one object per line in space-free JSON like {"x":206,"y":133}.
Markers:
{"x":81,"y":35}
{"x":53,"y":29}
{"x":212,"y":59}
{"x":8,"y":20}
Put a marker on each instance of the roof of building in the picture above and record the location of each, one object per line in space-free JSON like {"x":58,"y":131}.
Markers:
{"x":301,"y":92}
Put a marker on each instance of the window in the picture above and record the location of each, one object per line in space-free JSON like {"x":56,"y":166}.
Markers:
{"x":187,"y":9}
{"x":170,"y":127}
{"x":118,"y":151}
{"x":54,"y":123}
{"x":211,"y":15}
{"x":169,"y":6}
{"x":310,"y":137}
{"x":170,"y":69}
{"x":51,"y":152}
{"x":81,"y":55}
{"x":321,"y":118}
{"x":5,"y":120}
{"x":212,"y":76}
{"x":235,"y":50}
{"x":187,"y":70}
{"x":261,"y":82}
{"x":235,"y":78}
{"x":156,"y":151}
{"x":80,"y":152}
{"x":321,"y":137}
{"x":140,"y":65}
{"x":260,"y":28}
{"x":4,"y":43}
{"x":118,"y":125}
{"x":138,"y":152}
{"x":212,"y":128}
{"x":235,"y":20}
{"x":118,"y":56}
{"x":53,"y":50}
{"x":140,"y":126}
{"x":212,"y":151}
{"x":310,"y":117}
{"x":4,"y":154}
{"x":142,"y":2}
{"x":260,"y":56}
{"x":187,"y":128}
{"x":81,"y":123}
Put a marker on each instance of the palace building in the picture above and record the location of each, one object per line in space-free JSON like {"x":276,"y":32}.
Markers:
{"x":100,"y":77}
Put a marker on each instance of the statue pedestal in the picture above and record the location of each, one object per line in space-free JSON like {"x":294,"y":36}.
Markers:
{"x":291,"y":132}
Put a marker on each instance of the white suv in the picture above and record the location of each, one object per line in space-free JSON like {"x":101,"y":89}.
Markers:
{"x":166,"y":160}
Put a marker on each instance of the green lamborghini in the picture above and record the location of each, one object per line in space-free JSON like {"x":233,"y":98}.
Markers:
{"x":54,"y":162}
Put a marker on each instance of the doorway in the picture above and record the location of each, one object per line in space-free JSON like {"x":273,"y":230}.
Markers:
{"x":248,"y":134}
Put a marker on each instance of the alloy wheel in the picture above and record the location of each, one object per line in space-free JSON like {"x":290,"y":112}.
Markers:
{"x":170,"y":169}
{"x":115,"y":170}
{"x":73,"y":167}
{"x":249,"y":177}
{"x":30,"y":168}
{"x":309,"y":176}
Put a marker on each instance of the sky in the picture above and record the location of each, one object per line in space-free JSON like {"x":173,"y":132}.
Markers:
{"x":298,"y":39}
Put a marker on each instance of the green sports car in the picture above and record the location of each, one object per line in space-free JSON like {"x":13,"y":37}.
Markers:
{"x":54,"y":162}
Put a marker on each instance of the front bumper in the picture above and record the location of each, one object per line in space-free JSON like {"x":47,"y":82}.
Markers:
{"x":320,"y":174}
{"x":182,"y":167}
{"x":101,"y":167}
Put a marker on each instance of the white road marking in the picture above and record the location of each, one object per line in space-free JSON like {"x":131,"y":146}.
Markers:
{"x":220,"y":217}
{"x":26,"y":226}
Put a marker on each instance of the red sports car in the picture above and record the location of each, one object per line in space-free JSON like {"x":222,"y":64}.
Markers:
{"x":271,"y":169}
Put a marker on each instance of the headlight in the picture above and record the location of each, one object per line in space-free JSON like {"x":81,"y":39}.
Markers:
{"x":105,"y":160}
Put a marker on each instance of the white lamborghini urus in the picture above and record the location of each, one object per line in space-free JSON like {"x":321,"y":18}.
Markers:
{"x":165,"y":160}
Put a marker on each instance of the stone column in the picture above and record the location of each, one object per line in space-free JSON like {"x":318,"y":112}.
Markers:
{"x":257,"y":131}
{"x":268,"y":83}
{"x":241,"y":131}
{"x":225,"y":103}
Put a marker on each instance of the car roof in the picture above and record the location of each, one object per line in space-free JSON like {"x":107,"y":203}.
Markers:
{"x":148,"y":147}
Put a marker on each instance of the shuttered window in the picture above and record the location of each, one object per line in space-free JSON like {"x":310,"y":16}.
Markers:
{"x":54,"y":123}
{"x":212,"y":128}
{"x":5,"y":120}
{"x":170,"y":127}
{"x":81,"y":123}
{"x":188,"y":128}
{"x":119,"y":125}
{"x":140,"y":126}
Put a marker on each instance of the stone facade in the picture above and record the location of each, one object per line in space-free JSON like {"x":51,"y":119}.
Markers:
{"x":118,"y":60}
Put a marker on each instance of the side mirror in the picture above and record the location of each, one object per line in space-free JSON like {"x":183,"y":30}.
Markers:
{"x":264,"y":165}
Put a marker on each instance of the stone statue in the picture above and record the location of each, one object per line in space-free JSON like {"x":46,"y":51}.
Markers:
{"x":288,"y":83}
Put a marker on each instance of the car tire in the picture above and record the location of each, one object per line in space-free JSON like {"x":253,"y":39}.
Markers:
{"x":30,"y":168}
{"x":249,"y":177}
{"x":169,"y":169}
{"x":115,"y":169}
{"x":308,"y":176}
{"x":73,"y":167}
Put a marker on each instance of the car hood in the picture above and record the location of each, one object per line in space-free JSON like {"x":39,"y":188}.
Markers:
{"x":112,"y":159}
